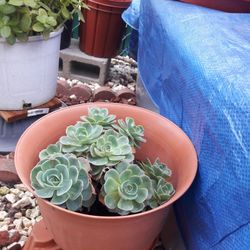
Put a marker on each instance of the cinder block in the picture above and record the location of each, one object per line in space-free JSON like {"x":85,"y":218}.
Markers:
{"x":75,"y":64}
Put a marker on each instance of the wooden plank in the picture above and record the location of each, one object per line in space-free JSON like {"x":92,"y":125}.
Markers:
{"x":15,"y":115}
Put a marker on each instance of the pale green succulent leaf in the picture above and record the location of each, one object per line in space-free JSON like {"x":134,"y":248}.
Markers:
{"x":110,"y":185}
{"x":45,"y":193}
{"x":74,"y":205}
{"x":58,"y":200}
{"x":126,"y":205}
{"x":111,"y":200}
{"x":64,"y":188}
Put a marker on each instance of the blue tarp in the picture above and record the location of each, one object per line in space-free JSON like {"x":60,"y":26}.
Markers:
{"x":195,"y":65}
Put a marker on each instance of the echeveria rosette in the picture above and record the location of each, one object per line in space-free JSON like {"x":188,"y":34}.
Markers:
{"x":79,"y":137}
{"x":126,"y":189}
{"x":63,"y":180}
{"x":156,"y":170}
{"x":163,"y":191}
{"x":134,"y":132}
{"x":51,"y":151}
{"x":99,"y":116}
{"x":109,"y":150}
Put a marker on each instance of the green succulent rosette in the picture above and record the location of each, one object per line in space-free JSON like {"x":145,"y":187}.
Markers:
{"x":109,"y":150}
{"x":156,"y":170}
{"x":79,"y":137}
{"x":134,"y":132}
{"x":51,"y":151}
{"x":99,"y":116}
{"x":63,"y":180}
{"x":126,"y":189}
{"x":163,"y":191}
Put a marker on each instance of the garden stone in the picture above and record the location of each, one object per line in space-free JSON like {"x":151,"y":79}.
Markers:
{"x":24,"y":202}
{"x":4,"y":190}
{"x":10,"y":198}
{"x":3,"y":215}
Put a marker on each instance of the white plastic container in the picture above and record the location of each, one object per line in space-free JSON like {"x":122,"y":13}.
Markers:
{"x":28,"y":71}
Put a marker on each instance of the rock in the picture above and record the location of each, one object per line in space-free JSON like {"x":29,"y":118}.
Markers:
{"x":20,"y":187}
{"x":26,"y":222}
{"x":82,"y":93}
{"x":38,"y":218}
{"x":18,"y":224}
{"x":15,"y":191}
{"x":10,"y":198}
{"x":32,"y":213}
{"x":4,"y":227}
{"x":3,"y":215}
{"x":104,"y":94}
{"x":125,"y":93}
{"x":62,"y":89}
{"x":8,"y":171}
{"x":4,"y":238}
{"x":4,"y":190}
{"x":14,"y":236}
{"x":29,"y":194}
{"x":24,"y":202}
{"x":7,"y":220}
{"x":18,"y":215}
{"x":14,"y":246}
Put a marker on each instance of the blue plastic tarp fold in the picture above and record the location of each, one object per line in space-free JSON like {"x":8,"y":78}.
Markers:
{"x":195,"y":65}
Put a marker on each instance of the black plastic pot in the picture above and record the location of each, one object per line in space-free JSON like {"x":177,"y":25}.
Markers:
{"x":66,"y":34}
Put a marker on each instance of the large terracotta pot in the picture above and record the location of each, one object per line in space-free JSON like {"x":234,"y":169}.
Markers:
{"x":75,"y":231}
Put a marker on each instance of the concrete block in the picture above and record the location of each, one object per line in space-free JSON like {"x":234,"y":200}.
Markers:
{"x":75,"y":64}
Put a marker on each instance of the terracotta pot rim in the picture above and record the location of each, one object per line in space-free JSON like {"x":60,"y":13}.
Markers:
{"x":173,"y":199}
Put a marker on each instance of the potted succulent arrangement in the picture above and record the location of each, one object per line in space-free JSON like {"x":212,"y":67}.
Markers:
{"x":30,"y":33}
{"x":102,"y":181}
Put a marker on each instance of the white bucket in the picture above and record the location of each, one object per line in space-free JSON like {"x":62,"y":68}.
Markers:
{"x":28,"y":71}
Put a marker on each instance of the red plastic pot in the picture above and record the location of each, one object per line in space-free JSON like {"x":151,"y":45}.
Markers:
{"x":224,"y":5}
{"x":101,"y":33}
{"x":75,"y":231}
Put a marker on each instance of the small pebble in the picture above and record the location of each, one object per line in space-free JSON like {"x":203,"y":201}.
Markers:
{"x":3,"y":215}
{"x":4,"y":191}
{"x":24,"y":202}
{"x":10,"y":198}
{"x":18,"y":215}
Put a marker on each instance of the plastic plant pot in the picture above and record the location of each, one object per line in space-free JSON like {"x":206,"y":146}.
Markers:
{"x":77,"y":231}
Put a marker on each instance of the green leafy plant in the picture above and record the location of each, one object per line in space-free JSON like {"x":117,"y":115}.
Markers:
{"x":99,"y":116}
{"x":163,"y":191}
{"x":64,"y":180}
{"x":96,"y":158}
{"x":20,"y":19}
{"x":110,"y":149}
{"x":157,"y":170}
{"x":126,"y":189}
{"x":79,"y":137}
{"x":131,"y":130}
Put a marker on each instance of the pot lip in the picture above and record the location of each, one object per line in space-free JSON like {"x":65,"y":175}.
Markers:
{"x":55,"y":33}
{"x":144,"y":213}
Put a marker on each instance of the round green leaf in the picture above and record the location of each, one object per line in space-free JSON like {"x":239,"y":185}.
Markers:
{"x":5,"y":31}
{"x":38,"y":27}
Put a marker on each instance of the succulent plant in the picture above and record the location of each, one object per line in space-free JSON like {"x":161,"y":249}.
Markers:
{"x":79,"y":137}
{"x":99,"y":116}
{"x":163,"y":191}
{"x":110,"y":149}
{"x":50,"y":151}
{"x":126,"y":189}
{"x":134,"y":132}
{"x":156,"y":170}
{"x":64,"y":180}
